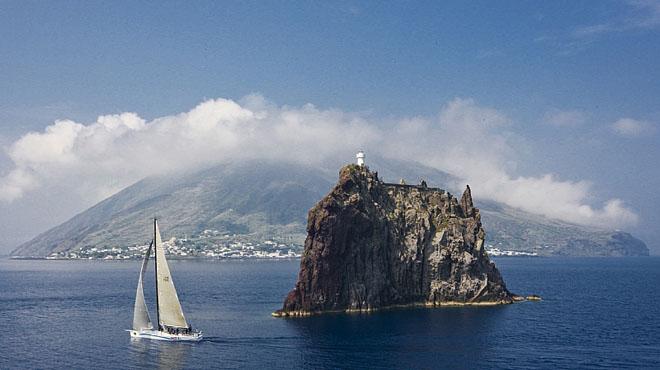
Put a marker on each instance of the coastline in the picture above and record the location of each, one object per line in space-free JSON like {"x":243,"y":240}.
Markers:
{"x":516,"y":299}
{"x":177,"y":258}
{"x":287,"y":258}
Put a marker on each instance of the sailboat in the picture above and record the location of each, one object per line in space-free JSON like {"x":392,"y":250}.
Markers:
{"x":172,"y":325}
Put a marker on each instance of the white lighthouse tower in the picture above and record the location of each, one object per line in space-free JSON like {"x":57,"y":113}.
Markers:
{"x":360,"y":158}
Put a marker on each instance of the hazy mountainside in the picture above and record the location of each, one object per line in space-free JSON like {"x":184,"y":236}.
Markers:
{"x":272,"y":199}
{"x":247,"y":198}
{"x":512,"y":229}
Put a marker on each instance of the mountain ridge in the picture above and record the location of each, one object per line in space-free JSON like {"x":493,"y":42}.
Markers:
{"x":266,"y":198}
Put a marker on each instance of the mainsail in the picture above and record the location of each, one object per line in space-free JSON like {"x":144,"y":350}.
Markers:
{"x":169,"y":308}
{"x":141,"y":318}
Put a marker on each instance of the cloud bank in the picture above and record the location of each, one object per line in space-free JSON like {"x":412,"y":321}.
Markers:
{"x":95,"y":160}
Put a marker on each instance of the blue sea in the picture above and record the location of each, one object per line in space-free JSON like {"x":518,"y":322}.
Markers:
{"x":596,"y":313}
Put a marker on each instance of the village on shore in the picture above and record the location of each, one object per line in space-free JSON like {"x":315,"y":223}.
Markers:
{"x":208,"y":244}
{"x":214,"y":244}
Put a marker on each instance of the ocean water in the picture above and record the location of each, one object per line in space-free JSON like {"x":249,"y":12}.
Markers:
{"x":596,"y":313}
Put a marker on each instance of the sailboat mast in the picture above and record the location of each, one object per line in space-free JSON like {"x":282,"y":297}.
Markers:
{"x":156,"y":275}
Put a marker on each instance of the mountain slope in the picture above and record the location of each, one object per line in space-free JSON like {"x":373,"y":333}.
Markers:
{"x":246,"y":198}
{"x":265,"y":199}
{"x":513,"y":229}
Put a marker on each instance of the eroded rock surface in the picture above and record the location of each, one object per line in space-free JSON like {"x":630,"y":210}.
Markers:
{"x":372,"y":245}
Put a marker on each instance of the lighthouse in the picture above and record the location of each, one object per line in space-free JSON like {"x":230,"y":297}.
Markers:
{"x":360,"y":158}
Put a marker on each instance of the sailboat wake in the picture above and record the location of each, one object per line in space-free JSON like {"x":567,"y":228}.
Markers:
{"x":267,"y":341}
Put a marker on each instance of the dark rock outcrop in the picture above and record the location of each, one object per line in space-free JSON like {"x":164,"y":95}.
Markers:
{"x":372,"y":245}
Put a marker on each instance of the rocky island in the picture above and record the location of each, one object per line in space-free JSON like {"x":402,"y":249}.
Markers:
{"x":372,"y":245}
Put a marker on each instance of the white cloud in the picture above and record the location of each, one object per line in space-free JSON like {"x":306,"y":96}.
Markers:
{"x":567,"y":118}
{"x":92,"y":161}
{"x":472,"y":143}
{"x":642,"y":15}
{"x":564,"y":200}
{"x":635,"y":17}
{"x":629,"y":127}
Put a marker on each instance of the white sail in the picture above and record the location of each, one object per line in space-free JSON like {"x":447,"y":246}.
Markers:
{"x":141,"y":318}
{"x":169,"y":308}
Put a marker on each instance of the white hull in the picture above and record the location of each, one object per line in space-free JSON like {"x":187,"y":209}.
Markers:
{"x":161,"y":335}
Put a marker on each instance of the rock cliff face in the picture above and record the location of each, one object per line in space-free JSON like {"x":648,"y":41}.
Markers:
{"x":372,"y":245}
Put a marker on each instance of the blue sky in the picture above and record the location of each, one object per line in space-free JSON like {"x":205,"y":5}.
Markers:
{"x":578,"y":81}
